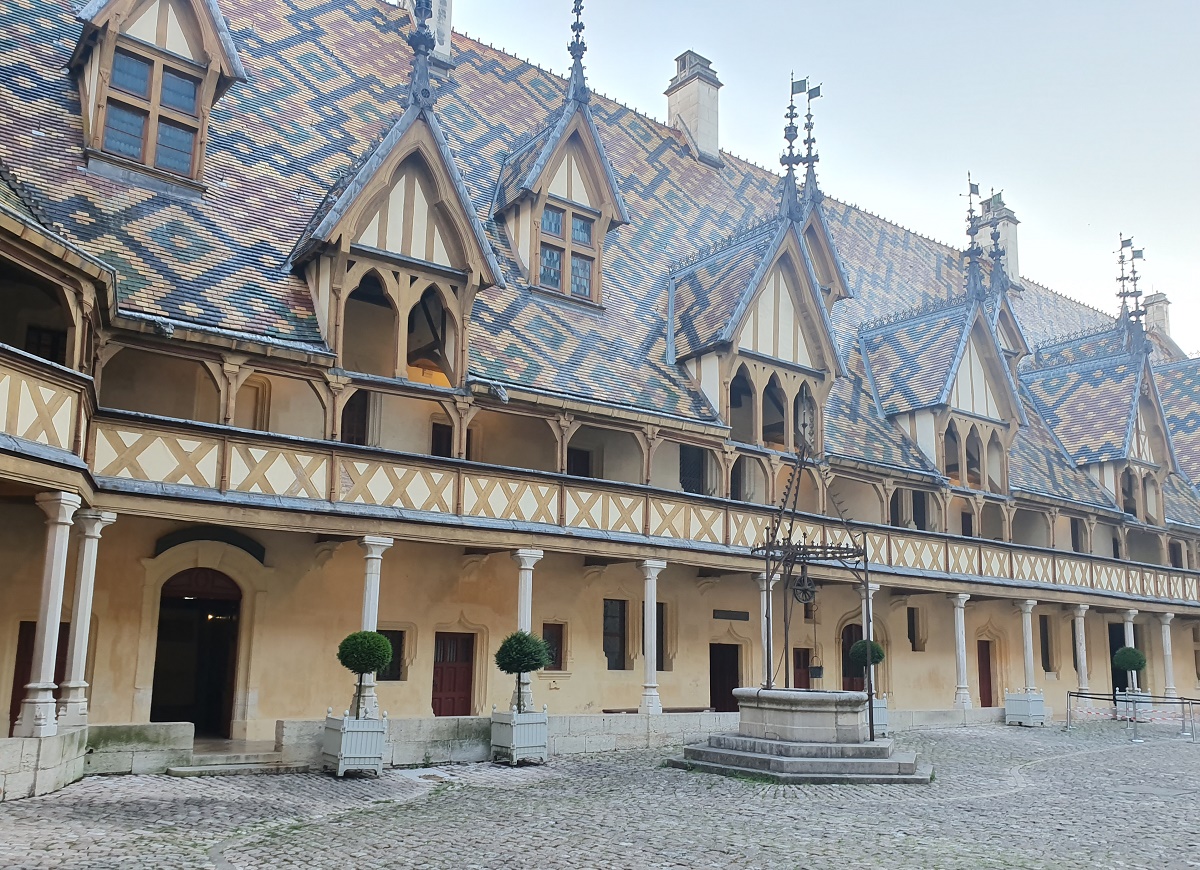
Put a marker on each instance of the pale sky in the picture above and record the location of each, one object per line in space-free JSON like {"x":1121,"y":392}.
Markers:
{"x":1086,"y":113}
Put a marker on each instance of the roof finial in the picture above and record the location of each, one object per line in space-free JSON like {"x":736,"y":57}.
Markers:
{"x":1129,"y":294}
{"x":577,"y":89}
{"x":974,"y":251}
{"x":999,"y":283}
{"x":810,"y":158}
{"x":421,"y":39}
{"x":789,"y":206}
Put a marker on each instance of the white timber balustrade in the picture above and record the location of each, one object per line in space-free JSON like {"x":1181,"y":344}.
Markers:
{"x":373,"y":547}
{"x":962,"y":692}
{"x":37,"y":717}
{"x":1130,"y":641}
{"x":73,"y":704}
{"x":1081,"y":668}
{"x":651,"y":703}
{"x":1168,"y":656}
{"x":525,"y":559}
{"x":1026,"y":608}
{"x":766,"y":609}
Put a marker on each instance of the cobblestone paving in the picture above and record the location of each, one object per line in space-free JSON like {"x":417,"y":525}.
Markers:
{"x":1002,"y":797}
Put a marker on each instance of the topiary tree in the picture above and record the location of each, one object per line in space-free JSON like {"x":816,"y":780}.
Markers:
{"x":522,"y":653}
{"x":362,"y":653}
{"x":1128,"y":659}
{"x":858,"y":653}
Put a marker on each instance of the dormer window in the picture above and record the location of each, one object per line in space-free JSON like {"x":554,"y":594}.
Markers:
{"x":151,"y":114}
{"x":149,"y":72}
{"x":568,"y":251}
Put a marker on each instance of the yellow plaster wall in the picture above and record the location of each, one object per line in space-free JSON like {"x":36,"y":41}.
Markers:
{"x":154,"y":383}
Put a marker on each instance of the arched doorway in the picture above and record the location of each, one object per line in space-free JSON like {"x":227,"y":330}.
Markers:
{"x":195,"y":664}
{"x":852,"y":676}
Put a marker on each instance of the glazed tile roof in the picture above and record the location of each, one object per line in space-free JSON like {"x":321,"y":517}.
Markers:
{"x":1037,"y":464}
{"x":911,"y":360}
{"x":325,"y":80}
{"x":1179,"y":388}
{"x":1181,"y":501}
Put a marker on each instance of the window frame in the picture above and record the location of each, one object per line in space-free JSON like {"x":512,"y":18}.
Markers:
{"x":156,"y":112}
{"x":620,"y":638}
{"x":398,"y":665}
{"x":569,"y":248}
{"x":562,"y":647}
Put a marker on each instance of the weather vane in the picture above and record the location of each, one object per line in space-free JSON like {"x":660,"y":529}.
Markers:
{"x":1129,"y":294}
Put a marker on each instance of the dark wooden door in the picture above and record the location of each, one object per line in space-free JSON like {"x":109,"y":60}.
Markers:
{"x":724,"y":675}
{"x":1116,"y":640}
{"x":24,"y":666}
{"x":801,"y":659}
{"x":852,"y":677}
{"x":985,"y":674}
{"x":453,"y":671}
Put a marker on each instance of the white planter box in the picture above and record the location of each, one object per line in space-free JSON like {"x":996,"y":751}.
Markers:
{"x":880,"y":710}
{"x":1024,"y":708}
{"x":354,"y":744}
{"x":517,"y":736}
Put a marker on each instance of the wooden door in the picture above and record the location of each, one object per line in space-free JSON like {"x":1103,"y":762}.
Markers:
{"x":852,"y":676}
{"x":453,"y":672}
{"x":985,"y":674}
{"x":23,"y":668}
{"x":801,"y":659}
{"x":724,"y":675}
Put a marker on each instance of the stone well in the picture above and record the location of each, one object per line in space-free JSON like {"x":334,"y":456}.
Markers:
{"x":803,"y":715}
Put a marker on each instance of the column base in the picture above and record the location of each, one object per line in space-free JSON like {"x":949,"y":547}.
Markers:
{"x":368,"y":703}
{"x":962,"y":699}
{"x":1170,"y":692}
{"x":651,"y":702}
{"x":38,"y":714}
{"x":73,"y":705}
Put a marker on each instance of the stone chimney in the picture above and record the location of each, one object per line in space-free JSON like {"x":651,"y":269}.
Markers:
{"x":692,"y":104}
{"x":1156,"y":313}
{"x":994,"y":210}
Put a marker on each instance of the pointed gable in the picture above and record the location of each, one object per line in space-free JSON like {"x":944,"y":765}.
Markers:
{"x":980,"y":381}
{"x":760,"y":293}
{"x":406,"y":197}
{"x":908,"y":359}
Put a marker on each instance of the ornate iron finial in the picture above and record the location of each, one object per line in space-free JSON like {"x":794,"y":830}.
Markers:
{"x":421,"y":91}
{"x":1129,"y":294}
{"x":810,"y":158}
{"x":999,"y":282}
{"x":578,"y":89}
{"x":789,"y":205}
{"x":974,"y":250}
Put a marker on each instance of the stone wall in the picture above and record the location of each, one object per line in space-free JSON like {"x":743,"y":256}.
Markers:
{"x":39,"y":765}
{"x":148,"y":748}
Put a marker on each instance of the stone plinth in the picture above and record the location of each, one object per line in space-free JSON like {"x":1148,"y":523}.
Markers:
{"x":803,"y":715}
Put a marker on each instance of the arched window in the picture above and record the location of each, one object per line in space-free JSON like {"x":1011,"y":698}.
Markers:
{"x":432,"y":340}
{"x":741,"y":408}
{"x":951,"y":453}
{"x":369,"y":330}
{"x":805,"y":411}
{"x":1129,"y":488}
{"x":974,"y":459}
{"x":996,"y":459}
{"x":774,"y":415}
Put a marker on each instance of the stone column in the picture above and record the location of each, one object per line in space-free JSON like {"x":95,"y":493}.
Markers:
{"x":1129,"y":641}
{"x":1026,"y":608}
{"x":525,"y":560}
{"x":37,"y":716}
{"x":766,"y":608}
{"x":869,"y":623}
{"x":1079,"y":611}
{"x":1168,"y":657}
{"x":962,"y":692}
{"x":73,"y":705}
{"x":373,"y":547}
{"x":651,"y":703}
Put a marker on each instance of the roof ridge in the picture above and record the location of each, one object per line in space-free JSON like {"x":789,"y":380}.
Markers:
{"x":744,"y":231}
{"x":1068,"y":338}
{"x":930,"y":307}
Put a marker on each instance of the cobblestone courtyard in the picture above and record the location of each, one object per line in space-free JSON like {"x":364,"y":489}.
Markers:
{"x":1002,"y":797}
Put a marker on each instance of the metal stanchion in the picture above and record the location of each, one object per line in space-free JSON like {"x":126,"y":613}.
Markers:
{"x":1069,"y":694}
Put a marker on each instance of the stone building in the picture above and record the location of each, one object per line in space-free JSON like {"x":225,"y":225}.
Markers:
{"x":314,"y":320}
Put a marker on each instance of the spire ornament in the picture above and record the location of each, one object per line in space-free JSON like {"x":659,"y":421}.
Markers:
{"x":421,"y":92}
{"x":812,"y":193}
{"x":1132,"y":311}
{"x":975,"y":288}
{"x":577,"y":88}
{"x":999,"y":283}
{"x":789,"y":206}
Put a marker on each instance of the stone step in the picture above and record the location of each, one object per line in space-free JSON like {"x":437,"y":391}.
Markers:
{"x":236,"y":769}
{"x":203,"y":759}
{"x":792,"y":749}
{"x":922,"y":774}
{"x":899,"y":763}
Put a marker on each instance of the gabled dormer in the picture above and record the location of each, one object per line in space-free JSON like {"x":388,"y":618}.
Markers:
{"x":558,"y":197}
{"x":395,"y":254}
{"x":149,"y":74}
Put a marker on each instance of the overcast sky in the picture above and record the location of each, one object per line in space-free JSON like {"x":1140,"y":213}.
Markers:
{"x":1086,"y":113}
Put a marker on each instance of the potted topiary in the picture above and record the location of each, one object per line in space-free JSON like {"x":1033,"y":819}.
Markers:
{"x":519,"y":733}
{"x":1132,"y":661}
{"x":858,"y":658}
{"x":357,"y":743}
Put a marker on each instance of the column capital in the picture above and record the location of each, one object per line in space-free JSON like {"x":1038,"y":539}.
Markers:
{"x":526,"y":558}
{"x":960,"y":599}
{"x":1129,"y":615}
{"x":761,"y":579}
{"x":1165,"y":618}
{"x":92,"y":522}
{"x":1027,"y":605}
{"x":58,"y":507}
{"x":652,"y":567}
{"x":374,"y":545}
{"x":871,"y":589}
{"x":1079,"y":610}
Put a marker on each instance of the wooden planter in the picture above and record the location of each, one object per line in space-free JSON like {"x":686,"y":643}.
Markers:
{"x":353,"y":744}
{"x":1024,"y":708}
{"x":519,"y":736}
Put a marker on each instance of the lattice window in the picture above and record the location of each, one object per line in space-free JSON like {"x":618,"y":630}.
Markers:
{"x":569,"y":251}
